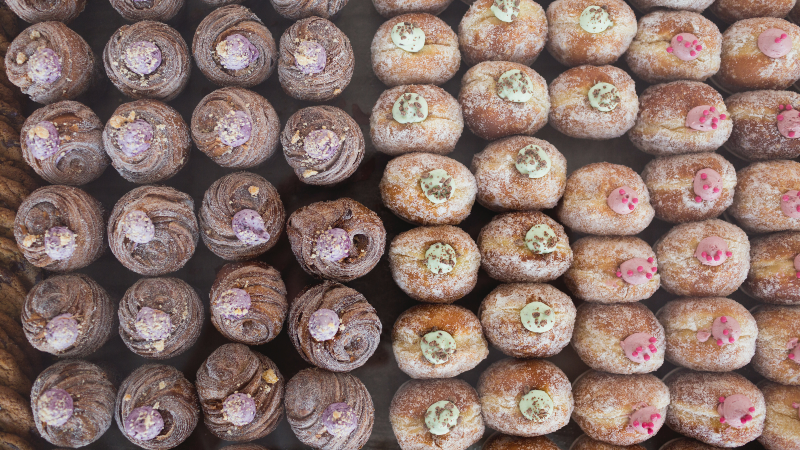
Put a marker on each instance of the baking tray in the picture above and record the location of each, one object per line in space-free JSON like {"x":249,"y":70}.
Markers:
{"x":359,"y":21}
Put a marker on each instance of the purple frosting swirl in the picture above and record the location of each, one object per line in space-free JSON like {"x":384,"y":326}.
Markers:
{"x":339,"y":419}
{"x":135,"y":137}
{"x":249,"y":227}
{"x":153,"y":324}
{"x":310,"y":57}
{"x":61,"y":331}
{"x":239,"y":409}
{"x":142,"y":57}
{"x":322,"y":144}
{"x":44,"y":66}
{"x":138,"y":227}
{"x":59,"y":243}
{"x":43,"y":140}
{"x":233,"y":304}
{"x":234,"y":128}
{"x":236,"y":52}
{"x":55,"y":407}
{"x":323,"y":324}
{"x":144,"y":423}
{"x":333,"y":245}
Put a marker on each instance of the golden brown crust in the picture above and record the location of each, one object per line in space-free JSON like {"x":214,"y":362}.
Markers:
{"x":730,"y":11}
{"x":690,"y":5}
{"x":683,"y":274}
{"x":759,"y":191}
{"x":782,"y":426}
{"x":772,"y":277}
{"x":649,"y":59}
{"x":777,"y":327}
{"x":584,"y":442}
{"x":499,"y":441}
{"x":488,"y":115}
{"x":501,"y":187}
{"x":684,"y":318}
{"x":391,"y":8}
{"x":686,"y":444}
{"x":755,"y":135}
{"x":572,"y":114}
{"x":597,"y":259}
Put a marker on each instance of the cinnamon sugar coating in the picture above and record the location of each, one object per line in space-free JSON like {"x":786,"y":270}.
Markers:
{"x":483,"y":37}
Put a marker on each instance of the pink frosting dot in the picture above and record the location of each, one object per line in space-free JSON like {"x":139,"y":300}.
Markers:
{"x":639,"y":347}
{"x":726,"y":330}
{"x":704,"y":118}
{"x":636,"y":271}
{"x":794,"y":350}
{"x":645,"y":419}
{"x":790,"y":204}
{"x":622,"y":200}
{"x":712,"y":251}
{"x":707,"y":184}
{"x":774,"y":43}
{"x":685,"y":46}
{"x":789,"y":123}
{"x":735,"y":410}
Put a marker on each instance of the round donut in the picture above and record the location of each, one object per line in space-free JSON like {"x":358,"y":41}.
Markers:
{"x":391,"y":8}
{"x":689,"y":5}
{"x":777,"y":354}
{"x":765,"y":125}
{"x":584,"y":442}
{"x":782,"y":424}
{"x":680,"y":117}
{"x":684,"y":268}
{"x":595,"y":192}
{"x":729,"y":11}
{"x":593,"y":102}
{"x":772,"y":277}
{"x":767,"y":197}
{"x":686,"y":444}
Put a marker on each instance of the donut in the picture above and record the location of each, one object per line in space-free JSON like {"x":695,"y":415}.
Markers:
{"x":689,"y":5}
{"x":605,"y":199}
{"x":675,"y":45}
{"x":782,"y":424}
{"x":391,"y":8}
{"x":767,"y":197}
{"x":510,"y":170}
{"x":712,"y":334}
{"x":501,"y":98}
{"x":588,"y":31}
{"x":719,"y":409}
{"x":680,"y":117}
{"x":777,"y":355}
{"x":415,"y":118}
{"x":527,"y":320}
{"x":702,"y":259}
{"x":730,"y":11}
{"x":300,"y":9}
{"x":584,"y":442}
{"x":415,"y":48}
{"x":499,"y":441}
{"x":690,"y":188}
{"x":686,"y":444}
{"x":760,"y":53}
{"x":525,"y":246}
{"x":502,"y":30}
{"x":593,"y":102}
{"x":619,"y":409}
{"x":766,"y":125}
{"x":772,"y":277}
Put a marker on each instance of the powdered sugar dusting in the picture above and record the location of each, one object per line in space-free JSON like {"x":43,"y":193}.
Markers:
{"x":782,"y":427}
{"x":755,"y":134}
{"x":689,"y":5}
{"x":757,"y":201}
{"x":777,"y":326}
{"x":772,"y":277}
{"x":485,"y":38}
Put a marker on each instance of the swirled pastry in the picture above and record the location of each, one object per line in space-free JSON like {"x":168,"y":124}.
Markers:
{"x":152,"y":230}
{"x":241,"y":217}
{"x":157,"y":407}
{"x":334,"y":327}
{"x":160,"y":317}
{"x":50,"y":62}
{"x":148,"y":60}
{"x":248,"y":302}
{"x":339,"y":240}
{"x":35,"y":11}
{"x":323,"y":144}
{"x":328,"y":410}
{"x":60,"y":228}
{"x":63,"y":143}
{"x":136,"y":10}
{"x":232,"y":47}
{"x":300,"y":9}
{"x":68,"y":316}
{"x":235,"y":127}
{"x":316,"y":60}
{"x":147,"y":140}
{"x":73,"y":403}
{"x":241,"y":393}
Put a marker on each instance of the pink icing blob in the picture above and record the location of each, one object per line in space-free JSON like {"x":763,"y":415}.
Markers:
{"x":735,"y":410}
{"x":797,"y":265}
{"x":639,"y":347}
{"x":794,"y":350}
{"x":645,"y":419}
{"x":726,"y":330}
{"x":712,"y":251}
{"x":797,"y":407}
{"x":774,"y":43}
{"x":703,"y":335}
{"x":685,"y":46}
{"x":707,"y":185}
{"x":704,"y":118}
{"x":788,"y":120}
{"x":622,"y":200}
{"x":637,"y":271}
{"x":790,"y":204}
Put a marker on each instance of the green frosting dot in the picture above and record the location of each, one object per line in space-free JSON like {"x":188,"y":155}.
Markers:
{"x":541,"y":239}
{"x":595,"y":19}
{"x":409,"y":37}
{"x":515,"y":86}
{"x":437,"y":346}
{"x":506,"y":10}
{"x":440,"y":258}
{"x":410,"y":108}
{"x":537,"y":317}
{"x":437,"y":185}
{"x":536,"y":406}
{"x":533,"y":161}
{"x":604,"y":97}
{"x":441,"y":417}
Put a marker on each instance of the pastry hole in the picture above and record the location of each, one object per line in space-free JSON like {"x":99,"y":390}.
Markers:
{"x":360,"y":245}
